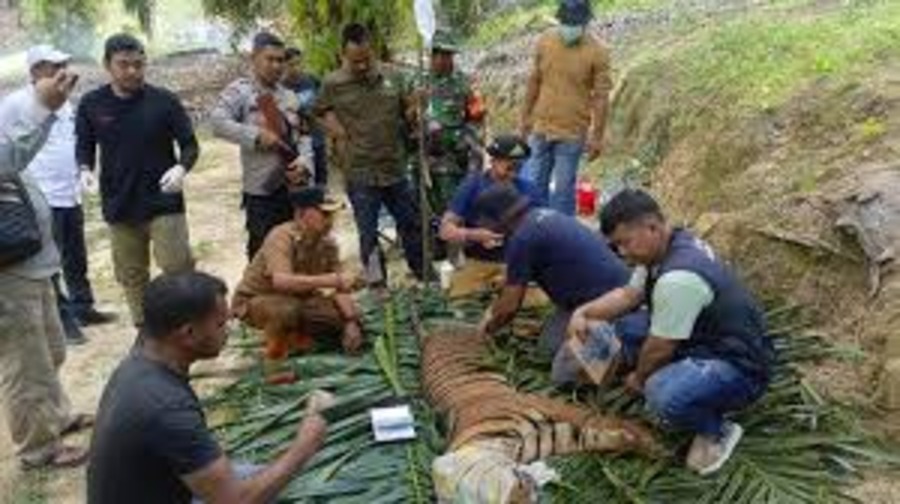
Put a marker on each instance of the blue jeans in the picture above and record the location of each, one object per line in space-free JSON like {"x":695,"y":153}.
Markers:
{"x":695,"y":394}
{"x":401,"y":203}
{"x":555,"y":161}
{"x":688,"y":394}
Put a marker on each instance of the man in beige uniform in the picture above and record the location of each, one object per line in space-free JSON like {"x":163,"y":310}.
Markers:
{"x":32,"y":346}
{"x":566,"y":104}
{"x":284,"y":289}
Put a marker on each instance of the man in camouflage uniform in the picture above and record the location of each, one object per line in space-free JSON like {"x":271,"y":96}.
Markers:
{"x":261,"y":116}
{"x":453,"y":119}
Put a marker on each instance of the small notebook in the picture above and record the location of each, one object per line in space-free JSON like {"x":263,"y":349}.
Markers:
{"x":393,"y":424}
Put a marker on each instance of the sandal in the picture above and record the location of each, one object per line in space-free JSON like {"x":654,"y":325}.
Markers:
{"x":63,"y":457}
{"x":78,"y":423}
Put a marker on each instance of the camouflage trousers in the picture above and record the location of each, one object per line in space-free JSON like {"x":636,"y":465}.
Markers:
{"x":32,"y":349}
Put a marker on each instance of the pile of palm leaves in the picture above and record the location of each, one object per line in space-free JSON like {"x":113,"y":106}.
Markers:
{"x":260,"y":420}
{"x":798,"y":447}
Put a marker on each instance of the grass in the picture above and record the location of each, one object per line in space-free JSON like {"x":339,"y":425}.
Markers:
{"x":758,"y":62}
{"x":516,"y":20}
{"x":800,"y":446}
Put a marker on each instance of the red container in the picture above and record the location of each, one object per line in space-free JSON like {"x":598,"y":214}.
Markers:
{"x":586,"y":198}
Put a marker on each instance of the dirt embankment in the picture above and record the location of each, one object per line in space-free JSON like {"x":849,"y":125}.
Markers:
{"x":797,"y":193}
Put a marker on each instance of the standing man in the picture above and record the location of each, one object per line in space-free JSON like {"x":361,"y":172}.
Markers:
{"x":453,"y":122}
{"x":568,"y":261}
{"x":307,"y":87}
{"x":706,"y":352}
{"x":566,"y":103}
{"x":151,"y":444}
{"x":261,"y":116}
{"x":32,"y":347}
{"x":363,"y":107}
{"x":136,"y":125}
{"x":56,"y":172}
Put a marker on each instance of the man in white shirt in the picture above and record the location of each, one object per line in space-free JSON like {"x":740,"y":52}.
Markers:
{"x":56,"y":172}
{"x":31,"y":337}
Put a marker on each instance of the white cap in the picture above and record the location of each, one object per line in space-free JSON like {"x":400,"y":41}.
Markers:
{"x":46,"y":52}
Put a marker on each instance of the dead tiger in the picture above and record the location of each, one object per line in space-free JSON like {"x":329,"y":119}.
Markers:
{"x":481,"y":404}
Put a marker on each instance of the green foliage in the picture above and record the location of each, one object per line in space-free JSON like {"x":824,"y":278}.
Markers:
{"x":756,"y":63}
{"x":66,"y":23}
{"x":257,"y":420}
{"x":799,"y":447}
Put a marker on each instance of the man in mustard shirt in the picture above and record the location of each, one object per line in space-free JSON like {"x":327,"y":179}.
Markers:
{"x":566,"y":104}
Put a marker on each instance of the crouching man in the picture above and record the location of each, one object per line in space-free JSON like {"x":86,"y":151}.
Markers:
{"x":284,"y":291}
{"x":707,"y":353}
{"x":568,"y":261}
{"x":151,"y":442}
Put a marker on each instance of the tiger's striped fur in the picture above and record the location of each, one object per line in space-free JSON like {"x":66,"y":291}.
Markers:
{"x":482,"y":404}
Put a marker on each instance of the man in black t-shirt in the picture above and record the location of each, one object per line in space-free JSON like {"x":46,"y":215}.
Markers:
{"x":151,"y":443}
{"x":136,"y":127}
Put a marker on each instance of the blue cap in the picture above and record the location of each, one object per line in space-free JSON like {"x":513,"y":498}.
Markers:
{"x":574,"y":12}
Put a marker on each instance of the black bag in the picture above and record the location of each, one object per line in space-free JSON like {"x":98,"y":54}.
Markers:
{"x":20,"y":236}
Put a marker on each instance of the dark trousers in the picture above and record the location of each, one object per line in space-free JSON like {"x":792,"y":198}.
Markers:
{"x":320,"y":158}
{"x":68,"y":233}
{"x":263,"y":214}
{"x":401,"y":203}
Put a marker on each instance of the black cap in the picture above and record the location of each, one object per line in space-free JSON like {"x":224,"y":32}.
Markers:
{"x":314,"y":197}
{"x":574,"y":12}
{"x":509,"y":147}
{"x":499,"y":205}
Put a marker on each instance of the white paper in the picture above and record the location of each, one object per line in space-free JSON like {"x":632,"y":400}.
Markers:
{"x":393,"y":424}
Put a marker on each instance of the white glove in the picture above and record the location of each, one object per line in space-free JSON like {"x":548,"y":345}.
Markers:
{"x":173,"y":180}
{"x":88,"y":181}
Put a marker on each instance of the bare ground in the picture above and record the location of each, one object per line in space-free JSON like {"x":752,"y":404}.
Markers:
{"x":217,"y":236}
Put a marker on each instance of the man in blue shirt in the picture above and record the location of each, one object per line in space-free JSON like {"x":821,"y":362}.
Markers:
{"x":571,"y":263}
{"x":484,"y":253}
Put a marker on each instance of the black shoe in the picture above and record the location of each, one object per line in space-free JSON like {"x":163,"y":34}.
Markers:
{"x":93,"y":317}
{"x":75,"y":338}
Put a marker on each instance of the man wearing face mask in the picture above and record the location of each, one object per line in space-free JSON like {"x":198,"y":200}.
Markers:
{"x":566,"y":104}
{"x":261,"y":115}
{"x":136,"y":127}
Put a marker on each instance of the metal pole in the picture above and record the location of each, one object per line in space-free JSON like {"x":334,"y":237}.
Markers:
{"x":424,"y":171}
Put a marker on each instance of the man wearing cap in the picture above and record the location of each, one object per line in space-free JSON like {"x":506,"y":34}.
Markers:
{"x":137,"y":127}
{"x":32,"y":342}
{"x":56,"y":172}
{"x":566,"y":103}
{"x":262,"y":116}
{"x":453,"y":119}
{"x":568,"y":261}
{"x":483,"y":267}
{"x":294,"y":289}
{"x":705,"y":352}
